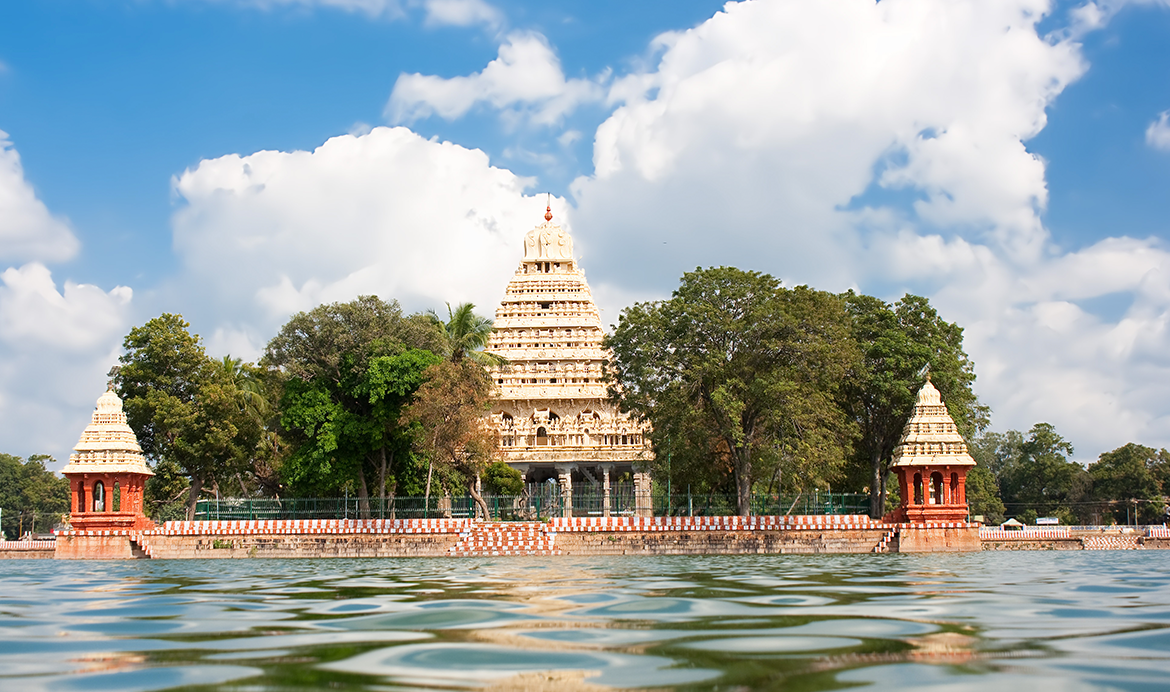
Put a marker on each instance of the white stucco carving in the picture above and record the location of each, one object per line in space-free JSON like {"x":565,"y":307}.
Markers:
{"x":553,"y":406}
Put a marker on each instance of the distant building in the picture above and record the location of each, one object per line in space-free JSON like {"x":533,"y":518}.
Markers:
{"x":553,"y":417}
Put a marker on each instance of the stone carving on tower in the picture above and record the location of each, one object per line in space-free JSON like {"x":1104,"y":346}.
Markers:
{"x":553,"y":417}
{"x":931,"y":462}
{"x":107,"y":457}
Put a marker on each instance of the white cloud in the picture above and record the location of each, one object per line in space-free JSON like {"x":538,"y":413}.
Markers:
{"x":884,"y":145}
{"x":392,"y":9}
{"x":27,"y":230}
{"x":55,"y":349}
{"x":462,"y":13}
{"x":525,"y":79}
{"x":390,"y":213}
{"x":1158,"y":133}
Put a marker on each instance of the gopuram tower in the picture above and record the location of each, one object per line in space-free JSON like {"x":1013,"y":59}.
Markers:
{"x":554,"y":421}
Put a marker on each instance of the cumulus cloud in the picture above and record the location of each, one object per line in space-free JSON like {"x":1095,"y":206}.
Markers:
{"x":525,"y":79}
{"x":55,"y":348}
{"x":389,"y":212}
{"x":27,"y":230}
{"x":392,"y":9}
{"x":435,"y":12}
{"x":1158,"y":133}
{"x":884,"y":145}
{"x":462,"y":13}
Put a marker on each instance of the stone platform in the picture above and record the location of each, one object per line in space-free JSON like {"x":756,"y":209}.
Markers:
{"x":581,"y":536}
{"x":578,"y":536}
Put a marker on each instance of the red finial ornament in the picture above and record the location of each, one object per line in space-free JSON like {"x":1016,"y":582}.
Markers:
{"x":548,"y":209}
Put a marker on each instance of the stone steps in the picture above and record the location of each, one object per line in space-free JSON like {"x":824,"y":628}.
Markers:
{"x":890,"y":537}
{"x":491,"y":539}
{"x":1110,"y":543}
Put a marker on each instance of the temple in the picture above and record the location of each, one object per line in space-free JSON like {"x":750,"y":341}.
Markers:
{"x":931,"y":462}
{"x":554,"y":421}
{"x":107,"y":473}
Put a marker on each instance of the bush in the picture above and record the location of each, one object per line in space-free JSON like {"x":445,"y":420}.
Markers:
{"x":501,"y":479}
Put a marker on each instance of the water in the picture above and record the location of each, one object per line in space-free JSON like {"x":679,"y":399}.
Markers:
{"x":983,"y":621}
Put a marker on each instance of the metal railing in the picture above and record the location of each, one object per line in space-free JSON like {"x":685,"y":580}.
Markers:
{"x":714,"y":504}
{"x":537,"y":503}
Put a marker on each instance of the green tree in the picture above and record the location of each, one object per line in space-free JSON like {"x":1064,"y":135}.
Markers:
{"x":183,"y":407}
{"x":449,"y":410}
{"x":1125,"y":481}
{"x":1042,"y":478}
{"x":32,"y":498}
{"x":997,"y":451}
{"x":739,"y":379}
{"x":983,"y":497}
{"x":899,"y":343}
{"x":348,"y":369}
{"x":465,"y":334}
{"x":501,"y":479}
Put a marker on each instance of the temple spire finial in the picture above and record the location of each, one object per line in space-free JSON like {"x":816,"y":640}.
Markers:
{"x":548,"y":208}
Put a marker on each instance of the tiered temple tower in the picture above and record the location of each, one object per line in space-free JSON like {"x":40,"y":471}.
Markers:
{"x":553,"y":417}
{"x":107,"y":457}
{"x":931,"y":461}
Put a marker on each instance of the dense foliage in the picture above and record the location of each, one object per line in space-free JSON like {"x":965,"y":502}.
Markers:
{"x":749,"y":387}
{"x":201,"y":416}
{"x":32,"y":499}
{"x":1031,"y":477}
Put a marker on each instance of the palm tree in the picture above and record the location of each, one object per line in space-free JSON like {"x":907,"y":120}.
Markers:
{"x":465,"y":334}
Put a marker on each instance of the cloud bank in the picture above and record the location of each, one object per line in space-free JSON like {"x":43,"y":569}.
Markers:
{"x":55,"y":344}
{"x":388,"y":212}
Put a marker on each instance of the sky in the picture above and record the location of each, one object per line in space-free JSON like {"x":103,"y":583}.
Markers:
{"x":237,"y":161}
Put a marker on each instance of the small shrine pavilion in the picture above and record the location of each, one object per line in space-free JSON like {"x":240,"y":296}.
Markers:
{"x":931,"y":462}
{"x":107,"y":473}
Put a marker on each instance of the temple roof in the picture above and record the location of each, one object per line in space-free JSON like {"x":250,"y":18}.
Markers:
{"x":107,"y":445}
{"x":930,"y":437}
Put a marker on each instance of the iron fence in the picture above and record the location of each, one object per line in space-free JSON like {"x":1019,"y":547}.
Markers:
{"x":715,"y":504}
{"x":537,"y":503}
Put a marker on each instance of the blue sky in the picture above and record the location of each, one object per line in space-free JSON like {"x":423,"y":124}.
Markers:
{"x":1007,"y":158}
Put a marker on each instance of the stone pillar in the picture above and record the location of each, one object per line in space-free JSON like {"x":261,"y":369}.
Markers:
{"x":643,"y":507}
{"x":605,"y":490}
{"x":565,"y":476}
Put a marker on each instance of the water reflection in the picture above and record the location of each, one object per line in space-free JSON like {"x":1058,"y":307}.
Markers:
{"x":1086,"y":620}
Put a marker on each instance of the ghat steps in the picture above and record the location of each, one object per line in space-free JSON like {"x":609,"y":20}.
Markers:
{"x":505,"y":538}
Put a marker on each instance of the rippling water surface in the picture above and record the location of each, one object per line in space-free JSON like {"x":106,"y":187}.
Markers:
{"x":984,"y":621}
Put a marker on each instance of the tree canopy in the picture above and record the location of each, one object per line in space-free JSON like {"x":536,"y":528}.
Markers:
{"x":349,"y":368}
{"x":739,"y":377}
{"x":898,"y":344}
{"x":186,"y":409}
{"x":32,"y":498}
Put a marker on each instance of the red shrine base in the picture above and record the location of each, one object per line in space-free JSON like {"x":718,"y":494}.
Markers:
{"x":110,"y":521}
{"x":921,"y":514}
{"x":95,"y":548}
{"x":931,"y":538}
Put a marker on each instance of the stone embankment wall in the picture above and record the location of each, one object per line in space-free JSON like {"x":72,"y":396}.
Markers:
{"x":720,"y":542}
{"x":581,"y":536}
{"x":1083,"y":538}
{"x":117,"y":546}
{"x":300,"y":546}
{"x":26,"y":550}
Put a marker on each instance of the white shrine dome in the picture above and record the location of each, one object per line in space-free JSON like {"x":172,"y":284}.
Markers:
{"x":108,"y":445}
{"x":931,"y":437}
